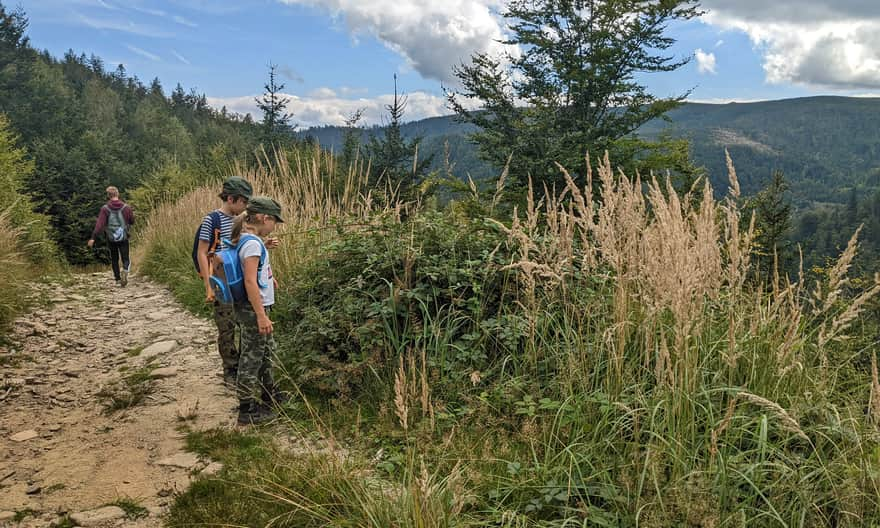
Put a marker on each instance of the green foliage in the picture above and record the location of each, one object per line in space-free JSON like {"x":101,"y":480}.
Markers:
{"x":86,"y":128}
{"x":573,"y":88}
{"x":382,"y":289}
{"x":35,"y":240}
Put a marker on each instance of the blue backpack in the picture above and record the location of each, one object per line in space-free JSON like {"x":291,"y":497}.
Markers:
{"x":227,"y":279}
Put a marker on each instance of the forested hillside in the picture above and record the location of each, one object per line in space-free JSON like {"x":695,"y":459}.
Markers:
{"x":87,"y":126}
{"x":828,"y":149}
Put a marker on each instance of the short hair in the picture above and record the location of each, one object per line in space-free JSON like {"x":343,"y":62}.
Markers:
{"x":112,"y":192}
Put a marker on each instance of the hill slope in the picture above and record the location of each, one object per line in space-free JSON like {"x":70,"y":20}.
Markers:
{"x":825,"y":145}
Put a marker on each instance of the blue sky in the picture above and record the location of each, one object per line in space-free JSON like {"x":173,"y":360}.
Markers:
{"x":336,"y":56}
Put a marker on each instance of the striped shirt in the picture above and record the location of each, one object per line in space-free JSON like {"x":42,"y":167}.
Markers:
{"x":206,"y":232}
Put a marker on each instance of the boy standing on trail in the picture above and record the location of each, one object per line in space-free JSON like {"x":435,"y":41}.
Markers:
{"x":114,"y":220}
{"x":257,"y":390}
{"x":215,"y":229}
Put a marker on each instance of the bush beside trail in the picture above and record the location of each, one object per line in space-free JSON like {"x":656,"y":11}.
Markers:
{"x":576,"y":362}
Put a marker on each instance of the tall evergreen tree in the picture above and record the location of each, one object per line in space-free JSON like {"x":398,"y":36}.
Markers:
{"x":772,"y":210}
{"x":394,"y":159}
{"x":276,"y":121}
{"x":572,"y":88}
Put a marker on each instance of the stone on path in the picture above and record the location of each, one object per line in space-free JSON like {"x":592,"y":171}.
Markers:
{"x":6,"y":516}
{"x":33,"y":489}
{"x":24,"y":436}
{"x":212,"y":469}
{"x":181,"y":460}
{"x":166,"y":372}
{"x":159,"y":348}
{"x":97,"y":517}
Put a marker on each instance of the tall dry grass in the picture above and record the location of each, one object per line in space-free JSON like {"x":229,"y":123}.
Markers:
{"x":316,"y":202}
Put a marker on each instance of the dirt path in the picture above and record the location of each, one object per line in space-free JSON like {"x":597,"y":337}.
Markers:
{"x":61,"y":451}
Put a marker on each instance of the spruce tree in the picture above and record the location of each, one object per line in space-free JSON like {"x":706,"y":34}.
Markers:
{"x":276,"y":121}
{"x":393,"y":159}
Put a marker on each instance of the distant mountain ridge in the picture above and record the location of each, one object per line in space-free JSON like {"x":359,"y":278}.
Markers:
{"x":827,"y":146}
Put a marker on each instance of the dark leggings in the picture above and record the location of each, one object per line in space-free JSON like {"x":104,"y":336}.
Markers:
{"x":118,"y":249}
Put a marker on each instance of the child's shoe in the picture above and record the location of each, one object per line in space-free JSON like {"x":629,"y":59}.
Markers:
{"x":253,"y":414}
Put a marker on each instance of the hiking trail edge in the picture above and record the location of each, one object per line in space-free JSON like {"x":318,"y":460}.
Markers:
{"x":87,"y":348}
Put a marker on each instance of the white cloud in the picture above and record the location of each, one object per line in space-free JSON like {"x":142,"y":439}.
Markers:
{"x":705,"y":61}
{"x":122,"y":25}
{"x":825,"y":43}
{"x":180,"y":57}
{"x":184,"y":22}
{"x":143,"y":53}
{"x":432,"y":36}
{"x":324,"y":106}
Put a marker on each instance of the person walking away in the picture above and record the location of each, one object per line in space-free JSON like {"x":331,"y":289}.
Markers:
{"x":255,"y":383}
{"x":214,"y":231}
{"x":115,"y":221}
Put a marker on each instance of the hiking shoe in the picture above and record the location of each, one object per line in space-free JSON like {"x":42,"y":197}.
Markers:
{"x":123,"y":278}
{"x":276,"y":397}
{"x":230,"y":377}
{"x":254,"y":415}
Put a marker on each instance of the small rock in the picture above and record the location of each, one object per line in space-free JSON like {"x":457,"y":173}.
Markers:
{"x":157,"y":316}
{"x":33,"y":489}
{"x":166,"y":372}
{"x":212,"y":469}
{"x":77,"y":297}
{"x":55,"y":428}
{"x":6,"y":516}
{"x":156,"y":511}
{"x":159,"y":348}
{"x":181,"y":460}
{"x":24,"y":436}
{"x":97,"y":517}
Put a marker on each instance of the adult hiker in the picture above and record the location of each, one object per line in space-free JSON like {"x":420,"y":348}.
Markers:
{"x":115,"y":220}
{"x":215,"y":230}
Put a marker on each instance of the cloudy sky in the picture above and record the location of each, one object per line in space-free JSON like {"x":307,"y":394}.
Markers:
{"x":337,"y":56}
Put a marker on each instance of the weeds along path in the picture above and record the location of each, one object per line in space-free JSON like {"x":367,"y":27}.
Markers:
{"x":95,"y":387}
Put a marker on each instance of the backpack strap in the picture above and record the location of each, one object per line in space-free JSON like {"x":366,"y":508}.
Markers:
{"x":215,"y":228}
{"x":244,"y":238}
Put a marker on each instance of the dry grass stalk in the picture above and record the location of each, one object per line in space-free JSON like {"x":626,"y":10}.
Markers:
{"x":874,"y":396}
{"x":843,"y":320}
{"x":718,"y":431}
{"x":785,"y":420}
{"x":401,"y":389}
{"x":837,"y":278}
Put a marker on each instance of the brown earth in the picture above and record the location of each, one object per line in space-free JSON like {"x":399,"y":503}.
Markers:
{"x":56,"y":371}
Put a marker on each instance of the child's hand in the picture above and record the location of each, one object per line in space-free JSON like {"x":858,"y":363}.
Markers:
{"x":264,"y":324}
{"x":91,"y":242}
{"x":272,"y":243}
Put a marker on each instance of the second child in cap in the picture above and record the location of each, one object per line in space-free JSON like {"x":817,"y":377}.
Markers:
{"x":257,"y":390}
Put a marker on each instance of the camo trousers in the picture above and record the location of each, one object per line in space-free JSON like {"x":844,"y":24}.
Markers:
{"x":224,"y":316}
{"x":255,"y":361}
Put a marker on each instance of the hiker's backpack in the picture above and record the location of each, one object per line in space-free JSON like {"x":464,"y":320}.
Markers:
{"x":215,"y":240}
{"x":117,"y":228}
{"x":227,"y":280}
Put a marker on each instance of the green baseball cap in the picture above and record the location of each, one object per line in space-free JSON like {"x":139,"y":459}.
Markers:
{"x":265,"y":205}
{"x":238,"y":186}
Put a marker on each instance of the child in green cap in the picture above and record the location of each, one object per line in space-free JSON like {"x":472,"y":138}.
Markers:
{"x":215,"y":228}
{"x":256,"y":386}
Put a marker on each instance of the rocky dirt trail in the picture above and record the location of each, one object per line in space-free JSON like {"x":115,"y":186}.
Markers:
{"x":88,"y":349}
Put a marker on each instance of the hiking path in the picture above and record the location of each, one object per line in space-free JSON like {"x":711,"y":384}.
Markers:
{"x":97,"y":386}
